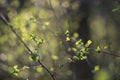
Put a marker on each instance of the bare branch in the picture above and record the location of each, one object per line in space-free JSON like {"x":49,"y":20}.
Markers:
{"x":20,"y":39}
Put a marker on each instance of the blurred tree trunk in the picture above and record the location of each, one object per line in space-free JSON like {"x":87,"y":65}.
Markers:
{"x":81,"y":69}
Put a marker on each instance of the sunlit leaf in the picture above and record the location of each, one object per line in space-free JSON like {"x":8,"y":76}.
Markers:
{"x":83,"y":57}
{"x":15,"y":70}
{"x":89,"y":42}
{"x":102,"y":75}
{"x":51,"y":69}
{"x":39,"y":69}
{"x":54,"y":57}
{"x":41,"y":41}
{"x":67,"y":32}
{"x":75,"y":35}
{"x":67,"y":38}
{"x":96,"y":68}
{"x":106,"y":47}
{"x":98,"y":49}
{"x":75,"y":58}
{"x":33,"y":37}
{"x":78,"y":42}
{"x":74,"y":49}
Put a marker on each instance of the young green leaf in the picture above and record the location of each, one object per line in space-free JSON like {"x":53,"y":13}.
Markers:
{"x":98,"y":49}
{"x":15,"y":70}
{"x":89,"y":42}
{"x":33,"y":37}
{"x":34,"y":57}
{"x":40,"y":41}
{"x":39,"y":69}
{"x":67,"y":38}
{"x":54,"y":57}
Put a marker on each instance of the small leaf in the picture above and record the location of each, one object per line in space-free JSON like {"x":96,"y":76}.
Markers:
{"x":40,"y":41}
{"x":98,"y":49}
{"x":75,"y":58}
{"x":75,"y":35}
{"x":70,"y":60}
{"x":67,"y":38}
{"x":15,"y":66}
{"x":52,"y":69}
{"x":33,"y":37}
{"x":34,"y":57}
{"x":54,"y":57}
{"x":74,"y":49}
{"x":83,"y":57}
{"x":27,"y":79}
{"x":15,"y":70}
{"x":96,"y":68}
{"x":67,"y":32}
{"x":78,"y":42}
{"x":39,"y":69}
{"x":106,"y":47}
{"x":89,"y":42}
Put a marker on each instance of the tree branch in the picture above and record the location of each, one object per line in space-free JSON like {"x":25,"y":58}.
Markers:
{"x":109,"y":53}
{"x":20,"y":39}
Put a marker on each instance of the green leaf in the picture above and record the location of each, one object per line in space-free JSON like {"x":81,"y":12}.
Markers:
{"x":83,"y":57}
{"x":52,"y":69}
{"x":54,"y":57}
{"x":106,"y":47}
{"x":67,"y":38}
{"x":67,"y":32}
{"x":39,"y":69}
{"x":34,"y":57}
{"x":40,"y":41}
{"x":74,"y":49}
{"x":27,"y":79}
{"x":78,"y":42}
{"x":15,"y":66}
{"x":75,"y":35}
{"x":116,"y":9}
{"x":96,"y":68}
{"x":89,"y":42}
{"x":33,"y":37}
{"x":83,"y":50}
{"x":75,"y":58}
{"x":98,"y":49}
{"x":15,"y":70}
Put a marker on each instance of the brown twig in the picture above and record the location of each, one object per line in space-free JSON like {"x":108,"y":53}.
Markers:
{"x":109,"y":53}
{"x":29,"y":50}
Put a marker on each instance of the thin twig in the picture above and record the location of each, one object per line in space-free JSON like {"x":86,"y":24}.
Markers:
{"x":29,"y":50}
{"x":52,"y":76}
{"x":109,"y":53}
{"x":106,"y":52}
{"x":11,"y":27}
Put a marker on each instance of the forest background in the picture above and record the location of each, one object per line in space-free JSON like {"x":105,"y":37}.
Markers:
{"x":59,"y":40}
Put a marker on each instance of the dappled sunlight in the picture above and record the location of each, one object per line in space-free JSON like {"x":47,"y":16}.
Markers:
{"x":102,"y":75}
{"x":54,"y":40}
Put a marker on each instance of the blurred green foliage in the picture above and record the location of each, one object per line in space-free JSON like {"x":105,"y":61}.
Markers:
{"x":44,"y":26}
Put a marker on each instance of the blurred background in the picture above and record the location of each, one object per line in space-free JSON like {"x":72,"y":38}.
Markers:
{"x":96,"y":20}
